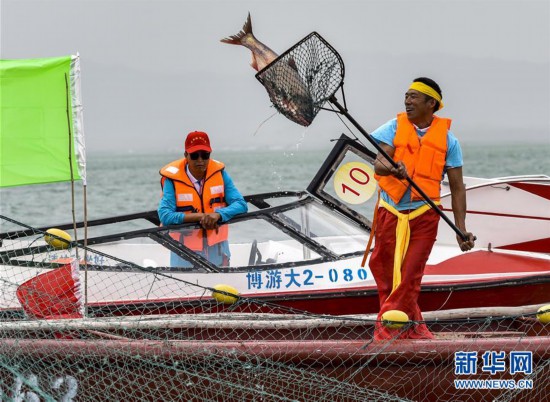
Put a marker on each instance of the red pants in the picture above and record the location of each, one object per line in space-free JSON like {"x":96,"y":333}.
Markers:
{"x":423,"y":231}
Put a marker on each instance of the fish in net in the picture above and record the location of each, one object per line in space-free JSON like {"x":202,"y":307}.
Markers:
{"x":303,"y":79}
{"x":299,"y":81}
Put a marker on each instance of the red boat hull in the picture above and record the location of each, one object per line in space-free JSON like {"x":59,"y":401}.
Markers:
{"x":509,"y":293}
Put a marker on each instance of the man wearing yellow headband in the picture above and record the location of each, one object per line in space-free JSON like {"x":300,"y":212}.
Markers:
{"x":424,"y":149}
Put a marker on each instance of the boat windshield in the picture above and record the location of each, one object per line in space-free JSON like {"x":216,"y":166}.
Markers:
{"x":337,"y":233}
{"x":295,"y":234}
{"x":258,"y":241}
{"x":261,"y":241}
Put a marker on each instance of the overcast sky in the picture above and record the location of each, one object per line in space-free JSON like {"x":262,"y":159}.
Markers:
{"x":154,"y":70}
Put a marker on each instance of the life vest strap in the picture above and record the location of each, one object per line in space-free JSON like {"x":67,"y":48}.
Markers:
{"x":186,"y":208}
{"x":372,"y":231}
{"x":217,"y":200}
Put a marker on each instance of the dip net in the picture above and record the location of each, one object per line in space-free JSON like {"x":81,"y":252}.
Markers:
{"x":56,"y":347}
{"x":302,"y":79}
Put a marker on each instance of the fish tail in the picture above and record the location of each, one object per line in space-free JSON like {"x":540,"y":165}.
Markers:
{"x":237,"y":38}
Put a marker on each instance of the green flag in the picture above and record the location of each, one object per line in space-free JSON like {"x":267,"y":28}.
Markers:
{"x":41,"y":132}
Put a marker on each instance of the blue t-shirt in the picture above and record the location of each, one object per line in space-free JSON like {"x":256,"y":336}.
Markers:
{"x":386,"y":134}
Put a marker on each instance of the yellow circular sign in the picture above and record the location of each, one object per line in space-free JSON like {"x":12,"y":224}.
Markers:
{"x":354,"y":182}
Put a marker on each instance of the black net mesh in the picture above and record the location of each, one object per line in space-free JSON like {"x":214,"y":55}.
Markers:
{"x":251,"y":350}
{"x":303,"y":78}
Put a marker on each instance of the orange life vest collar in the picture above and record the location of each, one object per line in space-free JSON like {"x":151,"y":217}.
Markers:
{"x":177,"y":171}
{"x":423,"y":157}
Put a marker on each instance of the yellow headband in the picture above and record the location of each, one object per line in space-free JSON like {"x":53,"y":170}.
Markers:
{"x":428,"y":90}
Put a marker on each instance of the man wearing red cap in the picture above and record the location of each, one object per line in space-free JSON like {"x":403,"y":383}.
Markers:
{"x":198,"y":189}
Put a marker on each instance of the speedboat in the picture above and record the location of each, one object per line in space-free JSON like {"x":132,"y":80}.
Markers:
{"x":298,"y":250}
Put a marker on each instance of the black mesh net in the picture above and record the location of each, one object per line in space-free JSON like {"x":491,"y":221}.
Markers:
{"x":303,"y":78}
{"x":251,"y":350}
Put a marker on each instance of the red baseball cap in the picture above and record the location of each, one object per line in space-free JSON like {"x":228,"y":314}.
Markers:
{"x":197,"y":141}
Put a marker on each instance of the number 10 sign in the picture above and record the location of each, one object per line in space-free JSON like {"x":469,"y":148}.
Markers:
{"x":354,"y":182}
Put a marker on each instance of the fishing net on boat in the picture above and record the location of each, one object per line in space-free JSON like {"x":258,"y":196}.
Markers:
{"x":231,"y":347}
{"x":302,"y":79}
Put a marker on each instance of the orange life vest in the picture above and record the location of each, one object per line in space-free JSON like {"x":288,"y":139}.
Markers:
{"x":188,"y":200}
{"x":424,"y":158}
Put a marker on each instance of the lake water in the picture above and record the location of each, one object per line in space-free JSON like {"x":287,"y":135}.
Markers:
{"x":124,"y":183}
